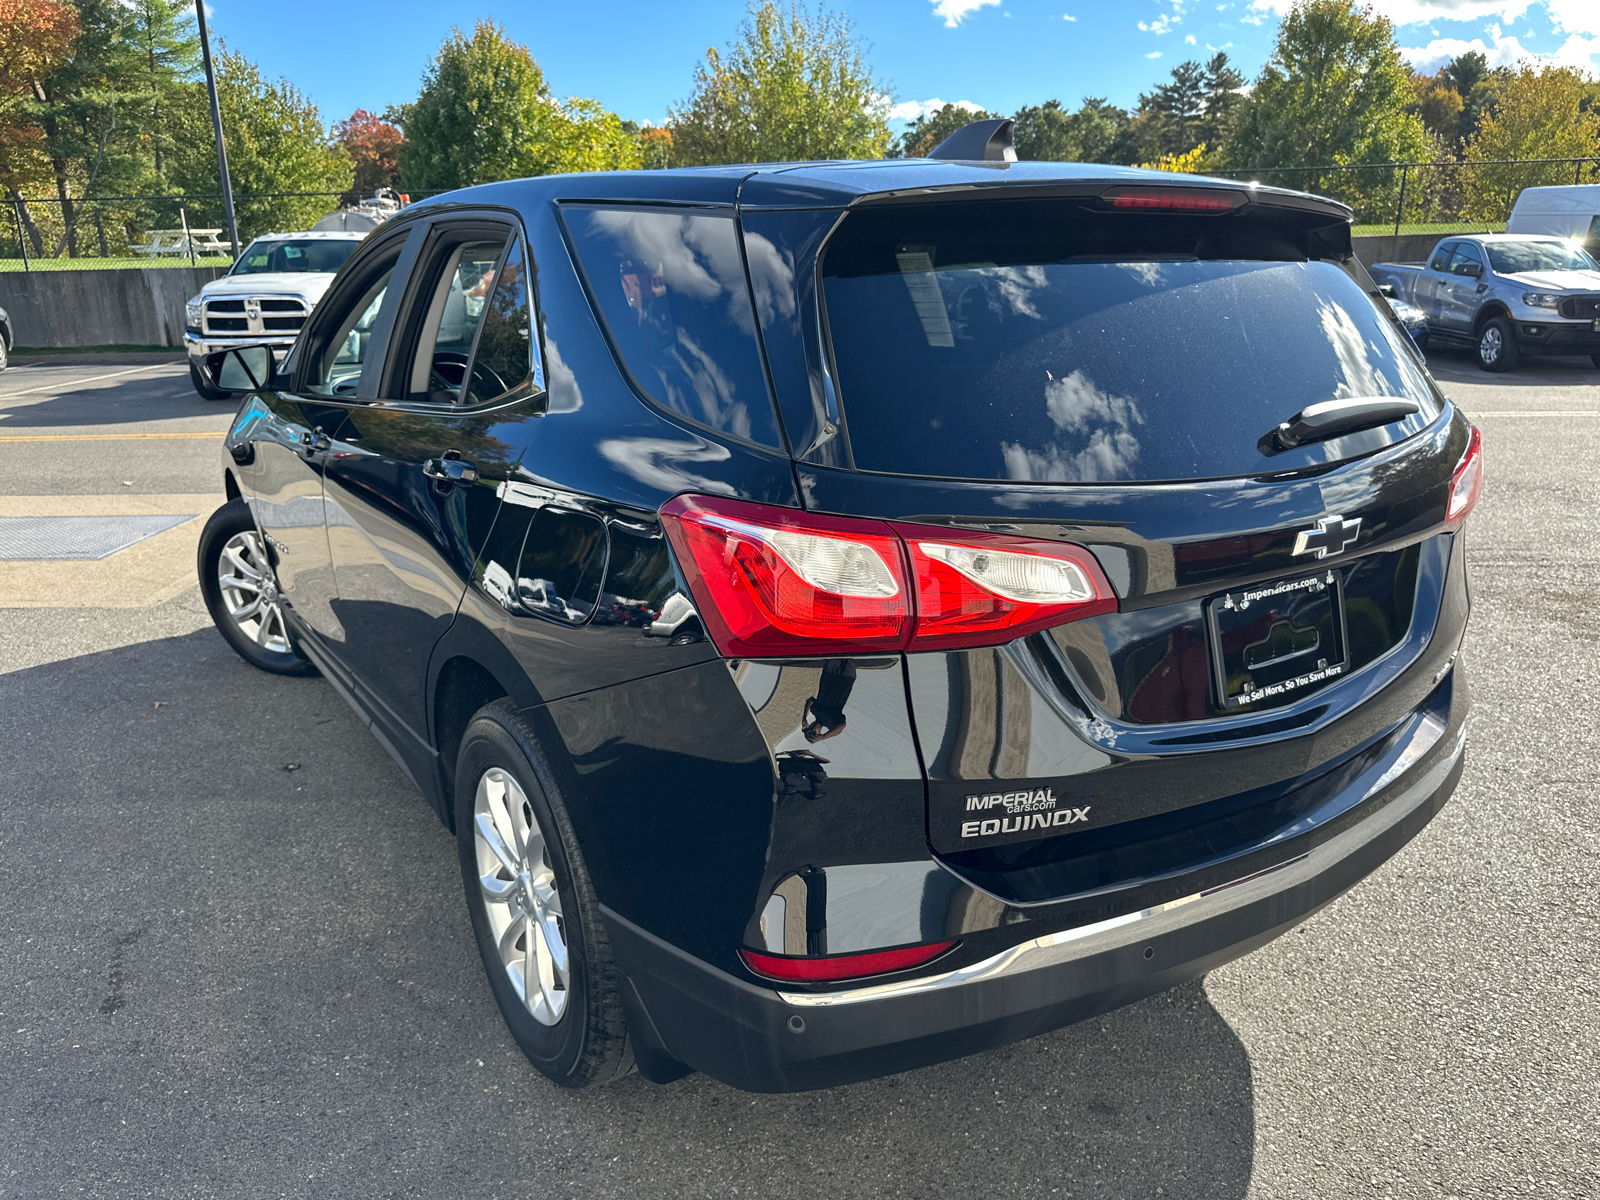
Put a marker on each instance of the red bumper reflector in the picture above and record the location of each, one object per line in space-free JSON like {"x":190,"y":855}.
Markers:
{"x":841,"y":966}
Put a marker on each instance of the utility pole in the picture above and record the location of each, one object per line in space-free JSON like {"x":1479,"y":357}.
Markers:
{"x":216,"y":126}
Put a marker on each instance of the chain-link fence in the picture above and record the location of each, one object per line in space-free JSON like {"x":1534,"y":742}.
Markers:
{"x":1436,"y":197}
{"x":99,"y":232}
{"x":49,"y":234}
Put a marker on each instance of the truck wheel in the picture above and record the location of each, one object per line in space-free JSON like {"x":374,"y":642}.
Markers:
{"x":207,"y":392}
{"x":1497,"y":345}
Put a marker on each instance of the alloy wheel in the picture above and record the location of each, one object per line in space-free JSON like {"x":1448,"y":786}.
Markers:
{"x":1489,"y":346}
{"x":520,"y":896}
{"x":250,"y":592}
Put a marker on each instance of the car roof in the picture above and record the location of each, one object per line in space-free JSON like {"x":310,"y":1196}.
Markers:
{"x":832,"y":184}
{"x":321,"y":235}
{"x":1509,"y":237}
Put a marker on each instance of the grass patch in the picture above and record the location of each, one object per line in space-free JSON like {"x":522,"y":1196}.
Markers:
{"x":1440,"y":230}
{"x":108,"y":264}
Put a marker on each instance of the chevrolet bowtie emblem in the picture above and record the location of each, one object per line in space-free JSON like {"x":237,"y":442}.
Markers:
{"x":1331,"y":536}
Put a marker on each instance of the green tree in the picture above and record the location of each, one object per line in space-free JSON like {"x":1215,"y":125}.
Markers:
{"x":277,"y":145}
{"x":794,"y":85}
{"x":89,"y":110}
{"x":931,"y":128}
{"x":1543,"y":112}
{"x":1049,"y":133}
{"x":167,"y":57}
{"x":485,"y":114}
{"x":1333,"y":92}
{"x":1222,"y":84}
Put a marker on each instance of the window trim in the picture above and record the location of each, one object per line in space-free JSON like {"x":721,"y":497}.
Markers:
{"x":394,"y":372}
{"x":302,"y":356}
{"x":725,"y":211}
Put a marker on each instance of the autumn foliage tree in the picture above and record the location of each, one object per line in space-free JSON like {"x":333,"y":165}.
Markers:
{"x":373,"y":145}
{"x":35,"y":39}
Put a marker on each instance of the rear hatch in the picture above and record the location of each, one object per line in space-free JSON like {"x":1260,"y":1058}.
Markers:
{"x":1116,"y":369}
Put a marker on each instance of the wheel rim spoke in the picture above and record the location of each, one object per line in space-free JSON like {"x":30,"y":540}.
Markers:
{"x":521,"y":896}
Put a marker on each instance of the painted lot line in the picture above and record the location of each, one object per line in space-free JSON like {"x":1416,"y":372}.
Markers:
{"x":154,"y":570}
{"x":64,"y":385}
{"x":105,"y":437}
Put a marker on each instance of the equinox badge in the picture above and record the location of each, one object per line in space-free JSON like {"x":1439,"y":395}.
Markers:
{"x":1331,"y":536}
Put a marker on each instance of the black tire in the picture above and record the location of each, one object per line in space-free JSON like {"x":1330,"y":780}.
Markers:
{"x":5,"y":351}
{"x":206,"y":391}
{"x":256,"y":641}
{"x":587,"y":1044}
{"x":1497,"y":345}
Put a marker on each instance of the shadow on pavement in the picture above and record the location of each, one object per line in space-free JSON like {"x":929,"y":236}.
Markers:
{"x":101,"y":397}
{"x":1459,"y":364}
{"x":234,"y":961}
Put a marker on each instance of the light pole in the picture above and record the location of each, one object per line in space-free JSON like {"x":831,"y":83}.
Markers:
{"x":216,"y":125}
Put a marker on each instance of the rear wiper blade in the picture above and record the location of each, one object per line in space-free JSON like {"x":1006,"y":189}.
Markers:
{"x":1333,"y":418}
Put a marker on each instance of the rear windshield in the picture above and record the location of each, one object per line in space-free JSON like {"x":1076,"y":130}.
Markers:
{"x":1041,"y":341}
{"x":1512,"y":258}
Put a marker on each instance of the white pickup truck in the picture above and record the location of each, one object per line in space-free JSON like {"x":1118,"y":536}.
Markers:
{"x":1505,"y":295}
{"x":264,"y":299}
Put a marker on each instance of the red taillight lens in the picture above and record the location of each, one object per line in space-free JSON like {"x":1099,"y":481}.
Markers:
{"x":841,"y":966}
{"x":1174,"y":199}
{"x":771,"y":582}
{"x":1466,"y":482}
{"x":975,"y":589}
{"x":775,"y":581}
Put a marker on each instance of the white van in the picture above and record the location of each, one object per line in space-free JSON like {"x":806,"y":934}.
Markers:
{"x":1572,"y":212}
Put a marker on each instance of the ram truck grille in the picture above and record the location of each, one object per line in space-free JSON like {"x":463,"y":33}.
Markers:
{"x":265,"y":315}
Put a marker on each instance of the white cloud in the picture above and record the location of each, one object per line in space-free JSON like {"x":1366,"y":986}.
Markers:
{"x":1417,"y":12}
{"x":910,"y":110}
{"x":1503,"y":50}
{"x":1189,"y":40}
{"x":956,"y":11}
{"x":1154,"y":54}
{"x":1575,"y":16}
{"x":1224,"y":46}
{"x":1068,"y":17}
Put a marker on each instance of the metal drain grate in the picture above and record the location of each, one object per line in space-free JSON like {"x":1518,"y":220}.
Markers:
{"x":52,"y":539}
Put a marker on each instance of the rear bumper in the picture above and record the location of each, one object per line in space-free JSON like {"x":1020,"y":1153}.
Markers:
{"x":765,"y":1040}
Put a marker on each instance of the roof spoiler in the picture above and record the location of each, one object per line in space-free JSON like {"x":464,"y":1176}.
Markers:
{"x":980,"y":141}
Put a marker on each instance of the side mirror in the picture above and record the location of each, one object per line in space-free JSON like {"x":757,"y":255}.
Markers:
{"x":242,"y":368}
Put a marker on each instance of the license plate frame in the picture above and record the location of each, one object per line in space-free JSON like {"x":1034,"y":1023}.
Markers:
{"x":1260,"y":656}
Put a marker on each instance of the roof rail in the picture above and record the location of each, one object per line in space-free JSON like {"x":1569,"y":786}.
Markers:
{"x":980,"y":141}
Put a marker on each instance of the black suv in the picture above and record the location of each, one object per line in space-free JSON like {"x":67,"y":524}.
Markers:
{"x":853,"y":615}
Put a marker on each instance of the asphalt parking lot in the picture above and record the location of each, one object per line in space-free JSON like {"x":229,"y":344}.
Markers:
{"x":234,"y":959}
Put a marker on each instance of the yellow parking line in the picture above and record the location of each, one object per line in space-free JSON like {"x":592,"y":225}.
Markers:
{"x":102,"y":437}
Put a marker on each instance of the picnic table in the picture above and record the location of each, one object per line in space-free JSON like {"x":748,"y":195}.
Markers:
{"x":182,"y":241}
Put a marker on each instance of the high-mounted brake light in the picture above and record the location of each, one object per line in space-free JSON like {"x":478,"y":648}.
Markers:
{"x":772,"y":582}
{"x":1174,"y":199}
{"x":841,"y":966}
{"x":1466,"y":482}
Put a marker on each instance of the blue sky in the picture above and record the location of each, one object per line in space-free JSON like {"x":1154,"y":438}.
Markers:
{"x":637,"y":58}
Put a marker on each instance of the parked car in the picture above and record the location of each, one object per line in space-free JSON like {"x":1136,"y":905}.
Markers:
{"x":264,"y":299}
{"x":7,"y":339}
{"x":853,"y":615}
{"x":1571,"y":211}
{"x":1411,"y":318}
{"x":1506,"y":294}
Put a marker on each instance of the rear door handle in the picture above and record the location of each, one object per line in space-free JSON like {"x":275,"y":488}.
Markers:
{"x":450,"y":469}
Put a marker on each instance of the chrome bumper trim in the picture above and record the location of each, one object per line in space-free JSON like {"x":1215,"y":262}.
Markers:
{"x":1053,"y":949}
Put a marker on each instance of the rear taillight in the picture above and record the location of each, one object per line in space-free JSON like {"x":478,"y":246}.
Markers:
{"x":1466,"y":482}
{"x":771,"y":582}
{"x":841,"y":966}
{"x":984,"y":588}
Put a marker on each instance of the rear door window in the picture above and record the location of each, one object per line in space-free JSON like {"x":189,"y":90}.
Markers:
{"x":1032,"y":341}
{"x":670,"y":285}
